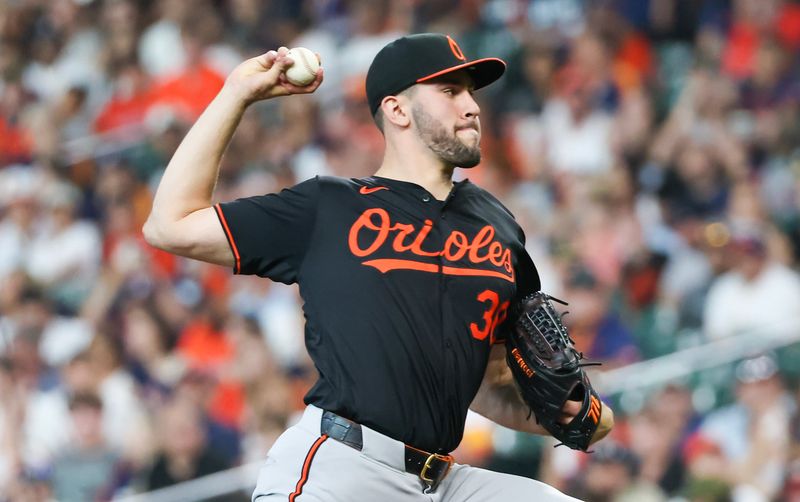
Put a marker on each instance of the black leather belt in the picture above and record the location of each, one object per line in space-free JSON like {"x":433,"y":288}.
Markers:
{"x":430,"y":467}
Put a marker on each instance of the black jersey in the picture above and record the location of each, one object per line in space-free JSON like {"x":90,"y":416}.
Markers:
{"x":403,"y":294}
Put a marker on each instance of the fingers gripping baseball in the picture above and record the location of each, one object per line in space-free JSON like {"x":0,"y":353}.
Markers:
{"x":264,"y":77}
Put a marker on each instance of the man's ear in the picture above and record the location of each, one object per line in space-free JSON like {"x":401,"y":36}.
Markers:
{"x":396,"y":110}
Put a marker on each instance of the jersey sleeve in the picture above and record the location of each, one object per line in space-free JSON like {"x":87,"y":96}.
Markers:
{"x":527,"y":282}
{"x":269,"y":234}
{"x":527,"y":276}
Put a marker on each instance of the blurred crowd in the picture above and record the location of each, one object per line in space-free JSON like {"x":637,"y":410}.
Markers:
{"x":650,"y":148}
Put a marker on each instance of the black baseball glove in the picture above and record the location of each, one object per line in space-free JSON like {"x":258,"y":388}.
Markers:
{"x":549,"y":371}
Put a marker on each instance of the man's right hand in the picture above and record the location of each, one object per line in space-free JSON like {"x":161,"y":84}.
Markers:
{"x":263,"y":77}
{"x":182,"y":220}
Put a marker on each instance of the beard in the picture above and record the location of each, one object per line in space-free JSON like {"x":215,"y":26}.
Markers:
{"x":445,"y":145}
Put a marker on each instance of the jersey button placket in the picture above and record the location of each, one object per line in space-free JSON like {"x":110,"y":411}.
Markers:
{"x":447,"y":344}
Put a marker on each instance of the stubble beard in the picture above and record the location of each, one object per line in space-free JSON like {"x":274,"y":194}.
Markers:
{"x":445,"y":145}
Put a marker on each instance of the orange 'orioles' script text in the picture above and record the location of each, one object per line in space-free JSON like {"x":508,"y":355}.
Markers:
{"x":374,"y":228}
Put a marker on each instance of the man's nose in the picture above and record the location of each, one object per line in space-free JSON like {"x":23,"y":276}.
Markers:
{"x":471,"y":108}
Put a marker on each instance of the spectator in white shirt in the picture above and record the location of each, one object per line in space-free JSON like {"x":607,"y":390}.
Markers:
{"x":758,"y":295}
{"x":751,"y":433}
{"x":65,"y":256}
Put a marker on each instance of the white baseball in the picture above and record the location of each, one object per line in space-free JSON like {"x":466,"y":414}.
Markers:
{"x":304,"y":69}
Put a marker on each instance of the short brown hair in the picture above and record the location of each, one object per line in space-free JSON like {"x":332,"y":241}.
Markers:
{"x":378,"y":118}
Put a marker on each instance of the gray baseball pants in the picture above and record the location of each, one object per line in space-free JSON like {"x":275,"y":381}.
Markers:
{"x":304,"y":466}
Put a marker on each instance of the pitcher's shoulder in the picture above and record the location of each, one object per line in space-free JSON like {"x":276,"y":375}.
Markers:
{"x":485,"y":197}
{"x":339,"y":183}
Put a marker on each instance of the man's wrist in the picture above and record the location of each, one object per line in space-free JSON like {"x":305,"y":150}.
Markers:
{"x":234,"y":96}
{"x":606,"y":423}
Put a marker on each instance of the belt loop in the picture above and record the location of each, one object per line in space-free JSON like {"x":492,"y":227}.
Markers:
{"x":341,"y":429}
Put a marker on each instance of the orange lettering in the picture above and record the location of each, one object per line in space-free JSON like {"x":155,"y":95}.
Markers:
{"x":365,"y":221}
{"x":502,"y":313}
{"x":521,"y":362}
{"x":404,"y":231}
{"x":481,"y":240}
{"x":492,"y":317}
{"x":495,"y":252}
{"x":375,"y":227}
{"x":488,"y":315}
{"x":507,"y":262}
{"x":459,"y":240}
{"x":416,"y":247}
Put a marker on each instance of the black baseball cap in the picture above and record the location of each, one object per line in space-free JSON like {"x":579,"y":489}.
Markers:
{"x":416,"y":58}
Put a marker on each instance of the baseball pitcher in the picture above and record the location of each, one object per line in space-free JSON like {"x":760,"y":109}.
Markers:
{"x":420,"y":299}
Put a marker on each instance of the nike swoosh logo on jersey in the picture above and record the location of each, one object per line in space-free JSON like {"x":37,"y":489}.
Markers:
{"x":368,"y":190}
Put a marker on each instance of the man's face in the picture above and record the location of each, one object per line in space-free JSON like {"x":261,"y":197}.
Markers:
{"x":446,"y":119}
{"x":87,"y":423}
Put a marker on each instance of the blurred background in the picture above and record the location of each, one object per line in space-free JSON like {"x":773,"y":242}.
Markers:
{"x":650,"y":148}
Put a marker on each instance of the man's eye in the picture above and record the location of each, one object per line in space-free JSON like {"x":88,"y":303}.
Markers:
{"x":448,"y":90}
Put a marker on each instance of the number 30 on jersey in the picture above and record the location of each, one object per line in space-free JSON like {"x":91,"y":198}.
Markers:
{"x":494,"y":315}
